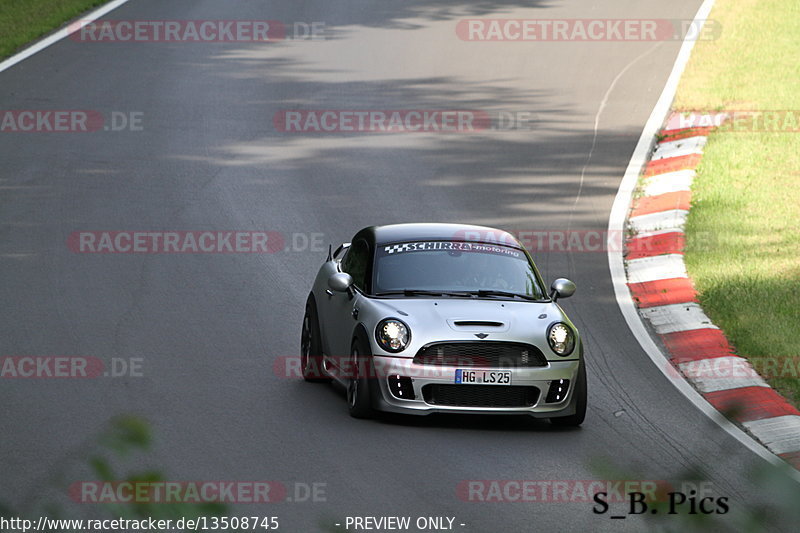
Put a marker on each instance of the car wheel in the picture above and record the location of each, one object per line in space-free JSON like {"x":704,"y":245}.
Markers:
{"x":580,"y":402}
{"x":310,"y":348}
{"x":359,"y":400}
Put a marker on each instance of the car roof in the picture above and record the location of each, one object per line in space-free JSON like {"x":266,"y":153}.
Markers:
{"x":393,"y":233}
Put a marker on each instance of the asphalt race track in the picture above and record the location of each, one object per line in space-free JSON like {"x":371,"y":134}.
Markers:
{"x":208,"y":327}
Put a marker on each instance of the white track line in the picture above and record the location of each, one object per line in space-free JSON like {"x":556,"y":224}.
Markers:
{"x":600,"y":109}
{"x":60,"y":34}
{"x":616,"y":265}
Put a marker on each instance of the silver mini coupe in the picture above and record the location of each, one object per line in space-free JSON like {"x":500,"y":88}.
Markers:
{"x":443,"y":318}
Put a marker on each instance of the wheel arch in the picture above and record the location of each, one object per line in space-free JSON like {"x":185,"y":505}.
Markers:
{"x":360,"y":333}
{"x":311,"y":299}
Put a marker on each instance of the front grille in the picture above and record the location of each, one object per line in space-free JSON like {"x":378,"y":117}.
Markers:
{"x":481,"y":354}
{"x":480,"y":395}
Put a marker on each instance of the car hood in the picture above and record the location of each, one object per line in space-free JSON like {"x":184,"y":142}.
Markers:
{"x":433,"y":320}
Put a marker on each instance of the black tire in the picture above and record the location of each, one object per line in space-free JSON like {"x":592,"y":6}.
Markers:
{"x":580,"y":402}
{"x":359,"y":393}
{"x":310,"y":346}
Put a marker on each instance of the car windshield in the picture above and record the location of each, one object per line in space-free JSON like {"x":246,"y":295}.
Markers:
{"x":455,"y":267}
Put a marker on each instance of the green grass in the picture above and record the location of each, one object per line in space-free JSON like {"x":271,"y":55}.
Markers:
{"x":747,"y":190}
{"x":23,"y":21}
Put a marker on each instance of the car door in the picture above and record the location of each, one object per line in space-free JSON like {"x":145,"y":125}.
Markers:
{"x":341,"y":317}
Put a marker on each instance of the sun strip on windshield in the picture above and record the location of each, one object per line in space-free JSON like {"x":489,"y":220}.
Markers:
{"x":448,"y":246}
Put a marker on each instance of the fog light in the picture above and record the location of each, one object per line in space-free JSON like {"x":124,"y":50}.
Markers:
{"x":558,"y":391}
{"x":401,"y":387}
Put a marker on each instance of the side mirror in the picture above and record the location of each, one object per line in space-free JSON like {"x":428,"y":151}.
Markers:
{"x":562,"y":288}
{"x":340,"y":250}
{"x":340,"y":282}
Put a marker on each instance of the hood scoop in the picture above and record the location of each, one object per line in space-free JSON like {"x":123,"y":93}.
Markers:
{"x":477,"y":324}
{"x":473,"y":325}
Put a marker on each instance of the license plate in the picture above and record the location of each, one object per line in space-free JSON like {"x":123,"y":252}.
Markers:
{"x":482,"y":377}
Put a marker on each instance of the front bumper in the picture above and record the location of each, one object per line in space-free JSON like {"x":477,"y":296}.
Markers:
{"x":544,"y":378}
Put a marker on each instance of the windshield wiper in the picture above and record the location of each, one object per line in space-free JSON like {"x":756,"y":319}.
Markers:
{"x":462,"y":294}
{"x":421,"y":292}
{"x":488,"y":292}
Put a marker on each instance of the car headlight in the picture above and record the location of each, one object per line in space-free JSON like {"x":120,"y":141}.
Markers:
{"x":392,"y":335}
{"x":561,"y":339}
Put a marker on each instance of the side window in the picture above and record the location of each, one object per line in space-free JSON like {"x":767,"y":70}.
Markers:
{"x":356,"y":263}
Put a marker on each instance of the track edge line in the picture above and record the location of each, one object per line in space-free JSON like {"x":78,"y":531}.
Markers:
{"x":59,"y":34}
